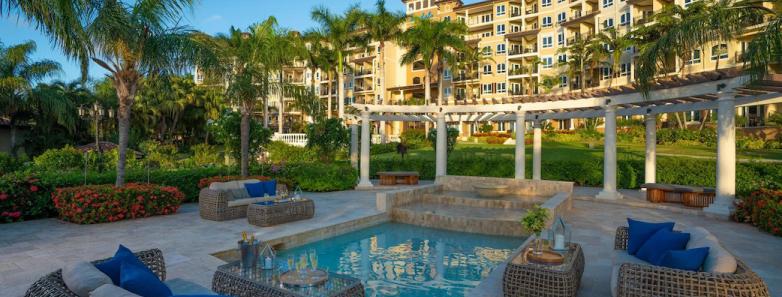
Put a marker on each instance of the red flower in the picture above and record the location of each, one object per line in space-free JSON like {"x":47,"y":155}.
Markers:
{"x":34,"y":188}
{"x":3,"y":196}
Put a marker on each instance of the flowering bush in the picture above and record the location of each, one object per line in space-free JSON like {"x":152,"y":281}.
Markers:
{"x":762,"y":208}
{"x":22,"y":197}
{"x":205,"y":182}
{"x":106,"y":203}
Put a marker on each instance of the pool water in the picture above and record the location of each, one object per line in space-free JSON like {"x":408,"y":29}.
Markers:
{"x":394,"y":259}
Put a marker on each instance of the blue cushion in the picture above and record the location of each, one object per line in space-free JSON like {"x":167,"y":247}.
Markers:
{"x":641,"y":231}
{"x":255,"y":189}
{"x":112,"y":266}
{"x":661,"y":242}
{"x":691,"y":259}
{"x":270,"y":187}
{"x":139,"y":280}
{"x":199,"y":296}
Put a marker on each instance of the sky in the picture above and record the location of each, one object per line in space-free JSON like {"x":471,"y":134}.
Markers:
{"x":209,"y":16}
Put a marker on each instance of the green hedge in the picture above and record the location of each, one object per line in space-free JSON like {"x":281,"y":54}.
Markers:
{"x":589,"y":172}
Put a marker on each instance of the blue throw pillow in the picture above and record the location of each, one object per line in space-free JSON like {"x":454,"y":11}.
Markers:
{"x":255,"y":189}
{"x":270,"y":187}
{"x":691,"y":259}
{"x":641,"y":231}
{"x":661,"y":242}
{"x":112,"y":266}
{"x":139,"y":280}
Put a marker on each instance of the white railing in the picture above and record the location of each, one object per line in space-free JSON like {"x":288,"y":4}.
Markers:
{"x":295,"y":139}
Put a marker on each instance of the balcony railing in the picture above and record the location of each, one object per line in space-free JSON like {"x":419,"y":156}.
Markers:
{"x":362,"y":72}
{"x":641,"y":20}
{"x":463,"y":77}
{"x":515,"y":13}
{"x":574,"y":39}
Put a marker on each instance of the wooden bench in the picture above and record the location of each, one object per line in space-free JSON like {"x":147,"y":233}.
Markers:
{"x":389,"y":178}
{"x":687,"y":195}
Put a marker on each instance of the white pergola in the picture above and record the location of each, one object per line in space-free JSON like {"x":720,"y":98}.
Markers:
{"x":705,"y":92}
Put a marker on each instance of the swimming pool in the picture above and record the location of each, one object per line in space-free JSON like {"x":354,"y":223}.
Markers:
{"x":394,"y":259}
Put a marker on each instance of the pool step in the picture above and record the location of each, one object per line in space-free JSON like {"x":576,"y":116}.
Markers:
{"x":483,"y":220}
{"x":471,"y":200}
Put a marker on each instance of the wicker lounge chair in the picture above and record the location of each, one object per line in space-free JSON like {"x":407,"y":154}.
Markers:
{"x":52,"y":284}
{"x":643,"y":280}
{"x":222,"y":204}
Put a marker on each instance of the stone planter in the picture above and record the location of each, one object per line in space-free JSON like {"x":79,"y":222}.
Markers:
{"x":490,"y":191}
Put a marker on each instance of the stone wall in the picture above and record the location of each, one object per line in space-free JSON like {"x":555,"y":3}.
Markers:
{"x":385,"y":201}
{"x":519,"y":187}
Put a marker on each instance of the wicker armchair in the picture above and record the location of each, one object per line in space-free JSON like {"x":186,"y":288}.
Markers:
{"x":640,"y":280}
{"x":214,"y":205}
{"x":52,"y":284}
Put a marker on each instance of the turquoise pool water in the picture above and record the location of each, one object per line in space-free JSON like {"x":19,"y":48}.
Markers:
{"x":403,"y":260}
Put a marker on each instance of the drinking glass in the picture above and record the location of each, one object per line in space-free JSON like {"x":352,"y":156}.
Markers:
{"x":290,"y":262}
{"x":303,"y":263}
{"x":313,"y":259}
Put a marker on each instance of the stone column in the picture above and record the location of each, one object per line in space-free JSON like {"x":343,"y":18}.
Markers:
{"x":382,"y":131}
{"x":726,"y":156}
{"x":650,"y":168}
{"x":364,"y":182}
{"x":609,"y":156}
{"x":441,"y":147}
{"x":520,"y":158}
{"x":354,"y":145}
{"x":536,"y":149}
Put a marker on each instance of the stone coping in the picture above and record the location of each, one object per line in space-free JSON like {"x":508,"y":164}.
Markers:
{"x":520,"y":187}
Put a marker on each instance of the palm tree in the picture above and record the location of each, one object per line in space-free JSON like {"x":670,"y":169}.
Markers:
{"x":470,"y":60}
{"x":615,"y":45}
{"x":338,"y":32}
{"x":383,"y":26}
{"x":531,"y":69}
{"x":598,"y":55}
{"x":432,"y":42}
{"x":282,"y":51}
{"x":18,"y":74}
{"x":578,"y":53}
{"x":130,"y":40}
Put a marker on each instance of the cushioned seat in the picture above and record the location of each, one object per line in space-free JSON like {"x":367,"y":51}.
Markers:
{"x":248,"y":201}
{"x":223,"y":201}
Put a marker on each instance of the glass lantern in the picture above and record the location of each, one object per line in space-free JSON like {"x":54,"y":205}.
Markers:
{"x":267,"y":257}
{"x":559,"y":235}
{"x":297,"y":193}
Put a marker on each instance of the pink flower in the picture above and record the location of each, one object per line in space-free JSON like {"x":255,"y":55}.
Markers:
{"x":3,"y":196}
{"x":34,"y":188}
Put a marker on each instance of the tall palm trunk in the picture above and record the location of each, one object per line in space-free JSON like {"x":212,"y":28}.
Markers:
{"x":281,"y":110}
{"x":427,"y":84}
{"x":340,"y":87}
{"x":244,"y":130}
{"x":266,"y":111}
{"x":328,"y":102}
{"x":126,"y":84}
{"x":441,"y":83}
{"x":13,"y":136}
{"x":382,"y":77}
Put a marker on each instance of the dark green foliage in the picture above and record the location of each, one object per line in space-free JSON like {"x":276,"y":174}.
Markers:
{"x":670,"y":135}
{"x":327,"y":137}
{"x":227,"y":130}
{"x":453,"y":134}
{"x":282,"y":152}
{"x":9,"y":163}
{"x":413,"y":138}
{"x":383,"y":148}
{"x":320,"y":177}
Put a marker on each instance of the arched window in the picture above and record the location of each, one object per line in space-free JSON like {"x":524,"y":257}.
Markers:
{"x":719,"y":51}
{"x":416,"y":80}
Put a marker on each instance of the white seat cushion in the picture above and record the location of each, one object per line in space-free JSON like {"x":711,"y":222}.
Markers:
{"x":248,"y":201}
{"x":83,"y":277}
{"x":719,"y":259}
{"x":235,"y":187}
{"x":110,"y":290}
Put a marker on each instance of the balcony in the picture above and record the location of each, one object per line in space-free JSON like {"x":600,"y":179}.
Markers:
{"x":532,"y":10}
{"x":515,"y":13}
{"x":576,"y":38}
{"x":464,"y":77}
{"x":642,"y":20}
{"x":580,"y":16}
{"x":361,"y":89}
{"x":517,"y":32}
{"x":363,"y":57}
{"x":362,"y":72}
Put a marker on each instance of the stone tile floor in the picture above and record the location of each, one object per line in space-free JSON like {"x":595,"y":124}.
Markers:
{"x":28,"y":250}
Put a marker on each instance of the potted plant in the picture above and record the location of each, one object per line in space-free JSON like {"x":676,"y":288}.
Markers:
{"x":534,"y":222}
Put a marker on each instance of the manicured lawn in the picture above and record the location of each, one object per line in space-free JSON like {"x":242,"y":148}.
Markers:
{"x":553,"y":151}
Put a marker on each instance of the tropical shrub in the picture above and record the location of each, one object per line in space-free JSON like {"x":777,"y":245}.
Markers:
{"x":327,"y":137}
{"x":496,"y":140}
{"x":282,"y":152}
{"x":384,"y":148}
{"x":8,"y":163}
{"x":762,"y":208}
{"x":23,"y":197}
{"x":159,"y":155}
{"x":106,"y":203}
{"x":227,"y":128}
{"x":66,"y":158}
{"x":205,"y":182}
{"x":450,"y":139}
{"x":206,"y":155}
{"x":320,"y":177}
{"x":485,"y":128}
{"x":413,"y":138}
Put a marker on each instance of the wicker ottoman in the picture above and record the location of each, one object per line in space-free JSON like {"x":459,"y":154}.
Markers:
{"x":523,"y":278}
{"x":280,"y":212}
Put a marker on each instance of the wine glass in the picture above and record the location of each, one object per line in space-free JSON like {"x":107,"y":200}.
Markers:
{"x":302,"y":263}
{"x":313,"y":259}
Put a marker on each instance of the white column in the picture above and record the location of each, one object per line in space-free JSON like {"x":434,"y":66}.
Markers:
{"x":520,"y":127}
{"x":609,"y":156}
{"x":536,"y":149}
{"x":354,"y":145}
{"x":441,"y":147}
{"x":726,"y":156}
{"x":650,"y":168}
{"x":364,"y":182}
{"x":382,"y":130}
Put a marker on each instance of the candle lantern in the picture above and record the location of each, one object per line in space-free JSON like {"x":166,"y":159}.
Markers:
{"x":297,"y":193}
{"x":559,"y":235}
{"x":267,"y":257}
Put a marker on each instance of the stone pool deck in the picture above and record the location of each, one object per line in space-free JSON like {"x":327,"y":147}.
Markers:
{"x":28,"y":250}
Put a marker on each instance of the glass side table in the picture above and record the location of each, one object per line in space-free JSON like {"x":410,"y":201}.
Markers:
{"x":230,"y":279}
{"x":525,"y":278}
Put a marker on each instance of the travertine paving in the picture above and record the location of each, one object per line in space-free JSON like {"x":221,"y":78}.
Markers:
{"x":29,"y":250}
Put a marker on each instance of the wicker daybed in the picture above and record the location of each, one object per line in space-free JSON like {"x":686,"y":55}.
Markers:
{"x":52,"y":284}
{"x":228,"y":200}
{"x":643,"y":280}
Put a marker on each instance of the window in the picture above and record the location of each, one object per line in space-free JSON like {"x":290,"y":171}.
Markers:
{"x":501,"y":88}
{"x":608,"y":23}
{"x":545,"y":3}
{"x":607,"y":3}
{"x":546,"y":62}
{"x":501,"y":48}
{"x":561,"y":17}
{"x":547,"y":42}
{"x":487,"y":69}
{"x":426,"y":4}
{"x":500,"y":10}
{"x":563,"y":81}
{"x":560,"y":38}
{"x":486,"y":34}
{"x":417,"y":5}
{"x":562,"y":58}
{"x":547,"y":21}
{"x":501,"y":68}
{"x":695,"y":57}
{"x":486,"y":18}
{"x":447,"y":74}
{"x":605,"y":73}
{"x":624,"y":69}
{"x":719,"y":51}
{"x":410,"y":7}
{"x":501,"y":29}
{"x":486,"y":88}
{"x":447,"y":91}
{"x":447,"y":18}
{"x":624,"y":19}
{"x":486,"y":50}
{"x":688,"y":2}
{"x":418,"y":65}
